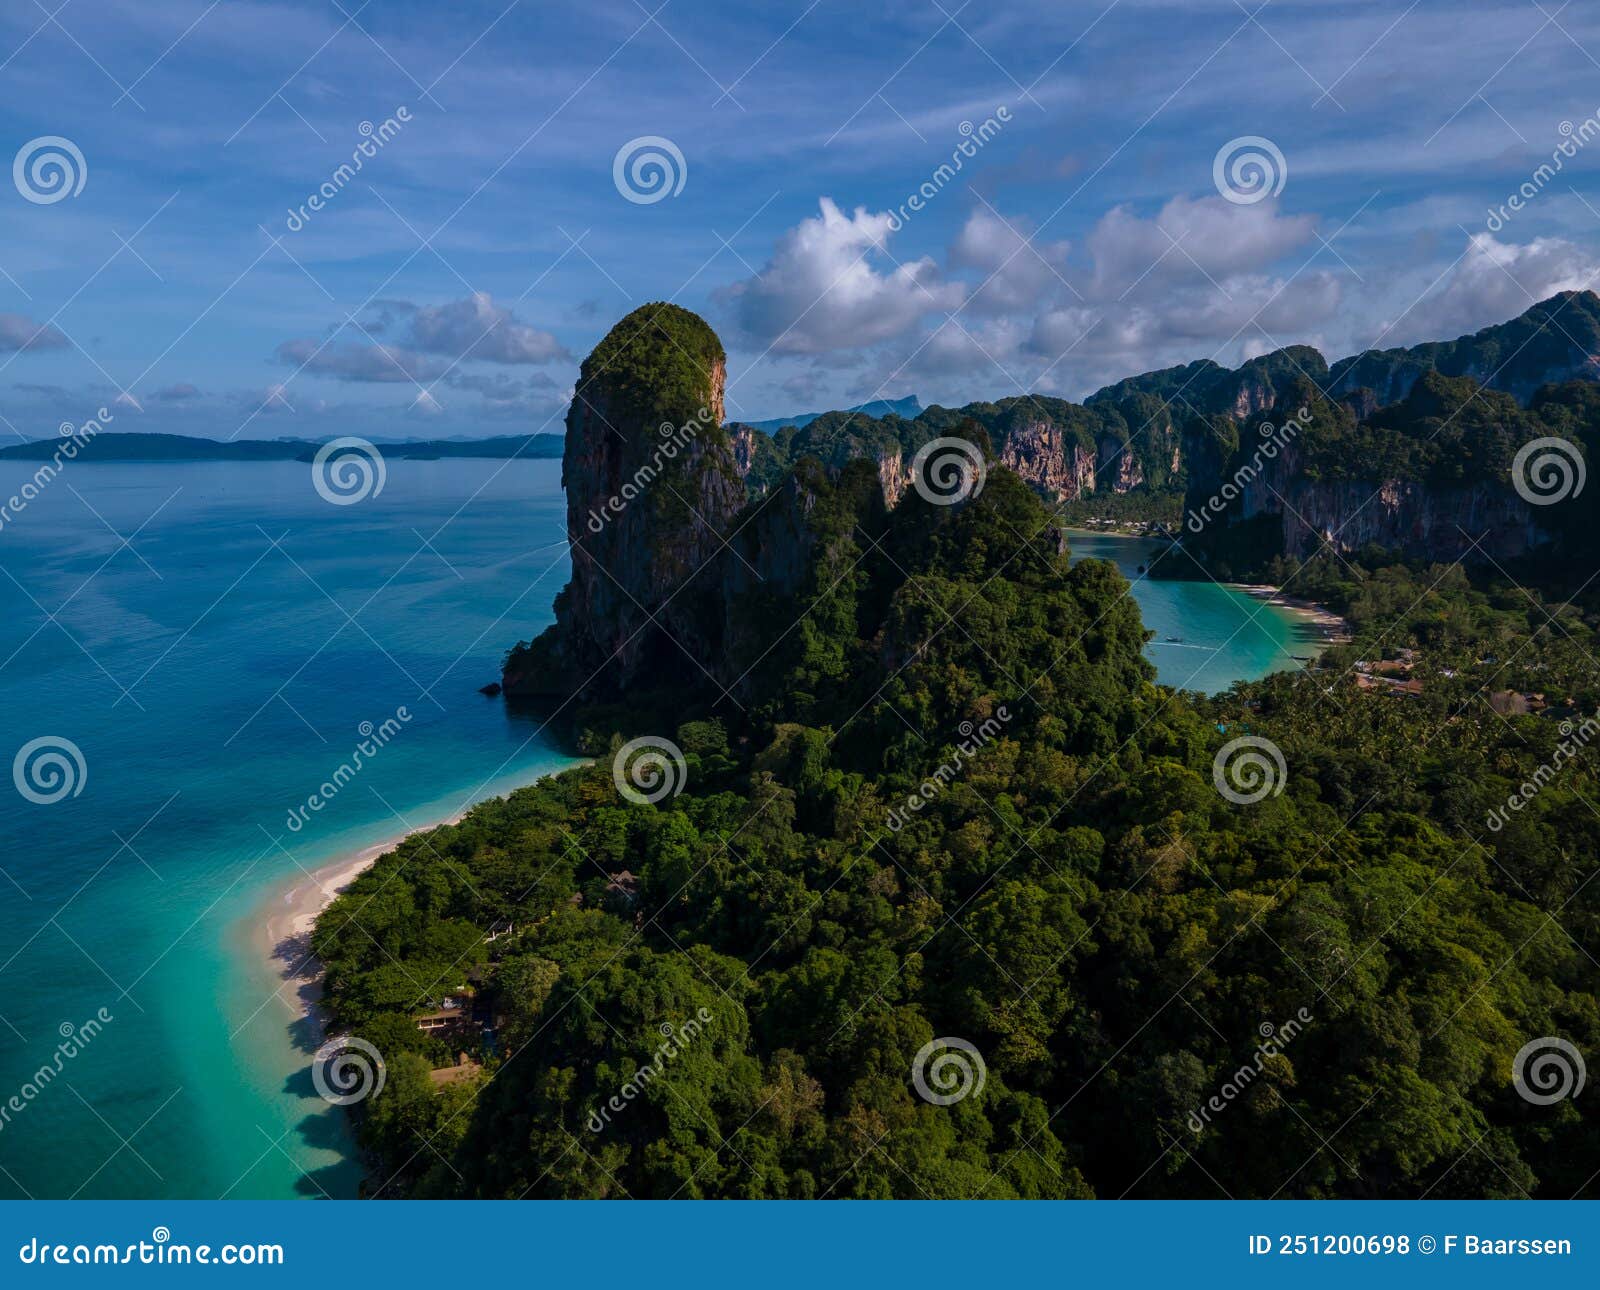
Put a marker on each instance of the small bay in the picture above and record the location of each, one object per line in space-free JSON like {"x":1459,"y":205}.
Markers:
{"x":1206,"y":635}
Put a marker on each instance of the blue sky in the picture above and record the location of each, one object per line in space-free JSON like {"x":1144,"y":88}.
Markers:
{"x":453,"y":285}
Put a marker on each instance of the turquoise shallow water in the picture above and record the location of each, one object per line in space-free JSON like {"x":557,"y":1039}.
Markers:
{"x":214,"y":670}
{"x":1224,"y":635}
{"x":249,"y":670}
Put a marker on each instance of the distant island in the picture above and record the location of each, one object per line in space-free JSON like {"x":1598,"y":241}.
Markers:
{"x":113,"y":446}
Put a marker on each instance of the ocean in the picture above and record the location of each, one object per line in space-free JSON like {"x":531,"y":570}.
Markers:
{"x":191,"y":650}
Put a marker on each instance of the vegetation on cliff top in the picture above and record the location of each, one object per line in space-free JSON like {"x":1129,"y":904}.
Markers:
{"x":661,"y":363}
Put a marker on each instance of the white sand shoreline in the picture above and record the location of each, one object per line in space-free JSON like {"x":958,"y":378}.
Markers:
{"x":1332,"y":629}
{"x":284,"y":925}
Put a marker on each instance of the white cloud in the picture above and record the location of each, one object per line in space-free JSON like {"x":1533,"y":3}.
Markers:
{"x":476,"y":327}
{"x":821,"y":292}
{"x":1493,"y":282}
{"x":1196,"y":241}
{"x":1017,"y":272}
{"x":19,"y":333}
{"x":350,"y":361}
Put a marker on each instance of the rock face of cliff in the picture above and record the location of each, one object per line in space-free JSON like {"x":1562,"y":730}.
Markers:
{"x":1412,"y":518}
{"x":682,"y":529}
{"x":652,"y":482}
{"x":1040,"y":452}
{"x":678,"y":570}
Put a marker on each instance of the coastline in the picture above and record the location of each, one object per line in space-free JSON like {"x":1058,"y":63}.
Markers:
{"x":284,"y":922}
{"x":1332,"y":629}
{"x":279,"y":935}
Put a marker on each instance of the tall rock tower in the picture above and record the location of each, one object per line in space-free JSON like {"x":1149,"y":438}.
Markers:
{"x":651,"y":485}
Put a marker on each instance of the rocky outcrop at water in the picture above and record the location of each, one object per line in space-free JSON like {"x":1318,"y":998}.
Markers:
{"x":652,"y":481}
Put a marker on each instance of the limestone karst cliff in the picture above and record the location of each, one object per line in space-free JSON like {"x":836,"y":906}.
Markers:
{"x":651,"y":482}
{"x":682,"y":527}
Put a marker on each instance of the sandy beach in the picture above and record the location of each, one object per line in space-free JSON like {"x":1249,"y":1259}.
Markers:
{"x":283,"y":931}
{"x":1330,"y":627}
{"x":1334,"y":629}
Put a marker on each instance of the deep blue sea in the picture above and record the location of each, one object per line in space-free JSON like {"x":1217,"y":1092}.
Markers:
{"x":211,"y":639}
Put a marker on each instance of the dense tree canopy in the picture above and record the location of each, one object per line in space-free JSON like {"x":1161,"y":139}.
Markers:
{"x":1165,"y":992}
